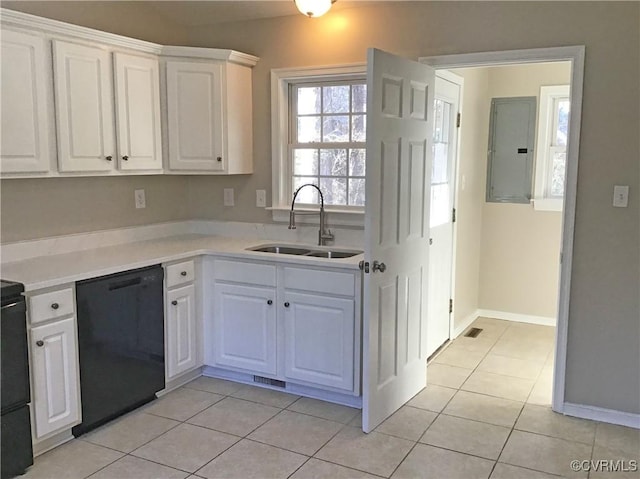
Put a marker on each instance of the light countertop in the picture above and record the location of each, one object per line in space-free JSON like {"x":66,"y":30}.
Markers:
{"x":54,"y":270}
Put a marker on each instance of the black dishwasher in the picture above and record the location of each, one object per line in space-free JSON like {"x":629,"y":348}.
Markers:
{"x":121,"y":343}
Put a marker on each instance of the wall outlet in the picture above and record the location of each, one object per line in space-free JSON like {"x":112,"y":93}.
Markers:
{"x":620,"y":196}
{"x":228,"y":197}
{"x":261,"y":198}
{"x":141,"y":201}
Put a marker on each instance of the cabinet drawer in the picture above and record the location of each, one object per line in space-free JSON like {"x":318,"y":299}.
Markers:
{"x":46,"y":306}
{"x":330,"y":282}
{"x":249,"y":273}
{"x":180,"y":273}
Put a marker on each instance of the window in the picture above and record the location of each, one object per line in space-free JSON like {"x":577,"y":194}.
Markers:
{"x":319,"y":137}
{"x":553,"y":130}
{"x":327,"y":141}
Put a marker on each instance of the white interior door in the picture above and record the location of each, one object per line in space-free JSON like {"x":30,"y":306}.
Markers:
{"x":445,"y":142}
{"x":399,"y":135}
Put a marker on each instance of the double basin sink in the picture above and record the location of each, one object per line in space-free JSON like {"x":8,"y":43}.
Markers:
{"x":299,"y":251}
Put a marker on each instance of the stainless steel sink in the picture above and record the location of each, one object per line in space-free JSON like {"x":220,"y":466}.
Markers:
{"x":333,"y":254}
{"x":281,"y":250}
{"x":285,"y":249}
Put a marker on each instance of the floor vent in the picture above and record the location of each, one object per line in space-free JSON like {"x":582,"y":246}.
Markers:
{"x":473,"y":333}
{"x":269,"y":381}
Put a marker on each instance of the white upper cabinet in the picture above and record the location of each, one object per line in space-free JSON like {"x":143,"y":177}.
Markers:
{"x":137,"y":93}
{"x":194,"y":107}
{"x":84,"y":108}
{"x":25,"y":90}
{"x":209,"y":108}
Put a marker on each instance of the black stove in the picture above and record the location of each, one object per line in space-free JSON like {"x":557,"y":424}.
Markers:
{"x":16,"y":450}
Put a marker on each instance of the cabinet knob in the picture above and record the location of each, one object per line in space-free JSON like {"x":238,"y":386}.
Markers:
{"x":219,"y":158}
{"x":125,"y":158}
{"x":39,"y":343}
{"x":183,"y":273}
{"x":109,"y":158}
{"x":269,"y":302}
{"x":174,"y":302}
{"x":286,"y":305}
{"x":55,"y":305}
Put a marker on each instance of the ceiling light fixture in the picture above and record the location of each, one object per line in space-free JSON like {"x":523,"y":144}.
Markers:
{"x":314,"y":8}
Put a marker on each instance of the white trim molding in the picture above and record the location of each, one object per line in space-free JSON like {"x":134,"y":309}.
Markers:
{"x":281,"y":78}
{"x":517,"y":317}
{"x":575,"y":55}
{"x":601,"y":414}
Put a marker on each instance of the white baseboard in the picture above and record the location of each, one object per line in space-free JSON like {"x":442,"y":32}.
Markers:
{"x":603,"y":415}
{"x":458,"y":329}
{"x":520,"y":318}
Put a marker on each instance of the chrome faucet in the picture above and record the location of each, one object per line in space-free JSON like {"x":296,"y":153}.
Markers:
{"x":324,"y":235}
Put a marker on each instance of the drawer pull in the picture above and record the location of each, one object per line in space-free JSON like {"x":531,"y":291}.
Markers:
{"x":174,"y":302}
{"x":39,"y":343}
{"x":286,"y":305}
{"x":55,"y":306}
{"x":183,"y":273}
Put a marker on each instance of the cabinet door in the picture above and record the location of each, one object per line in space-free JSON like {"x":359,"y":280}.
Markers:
{"x":245,"y":328}
{"x":137,"y":112}
{"x":55,"y":376}
{"x":84,"y":108}
{"x":182,"y":348}
{"x":319,"y":339}
{"x":194,"y":106}
{"x":24,"y":91}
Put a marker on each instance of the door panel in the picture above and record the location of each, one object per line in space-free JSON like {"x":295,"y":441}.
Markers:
{"x":84,"y":108}
{"x":245,"y":327}
{"x":319,"y":339}
{"x":182,"y":347}
{"x":24,"y":92}
{"x":399,"y":125}
{"x":138,"y":112}
{"x":55,"y":376}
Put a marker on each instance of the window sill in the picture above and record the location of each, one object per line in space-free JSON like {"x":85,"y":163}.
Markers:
{"x":547,"y":204}
{"x":334,"y":216}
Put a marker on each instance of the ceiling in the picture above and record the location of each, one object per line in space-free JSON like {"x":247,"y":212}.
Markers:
{"x":201,"y":13}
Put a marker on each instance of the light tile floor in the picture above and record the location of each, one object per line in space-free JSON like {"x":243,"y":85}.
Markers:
{"x":484,"y":414}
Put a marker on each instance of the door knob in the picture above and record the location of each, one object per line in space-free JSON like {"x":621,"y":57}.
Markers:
{"x":286,"y":305}
{"x":174,"y":302}
{"x":269,"y":302}
{"x":40,"y":343}
{"x":109,"y":158}
{"x":379,"y":267}
{"x":183,"y":273}
{"x":55,"y":305}
{"x":125,"y":158}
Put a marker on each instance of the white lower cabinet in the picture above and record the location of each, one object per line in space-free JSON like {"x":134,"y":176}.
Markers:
{"x":245,"y":327}
{"x":319,"y":339}
{"x":182,"y":351}
{"x":54,"y":356}
{"x":289,"y":323}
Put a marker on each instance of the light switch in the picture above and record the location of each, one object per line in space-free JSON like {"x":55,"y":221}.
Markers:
{"x":228,"y":197}
{"x":261,"y":198}
{"x":620,"y":196}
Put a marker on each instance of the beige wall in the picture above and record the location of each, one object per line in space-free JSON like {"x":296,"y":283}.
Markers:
{"x":35,"y":208}
{"x":520,"y":258}
{"x":604,"y":327}
{"x":470,"y":199}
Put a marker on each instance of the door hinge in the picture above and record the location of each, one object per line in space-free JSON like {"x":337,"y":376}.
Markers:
{"x":453,"y":216}
{"x":458,"y":120}
{"x":364,"y":266}
{"x":450,"y":306}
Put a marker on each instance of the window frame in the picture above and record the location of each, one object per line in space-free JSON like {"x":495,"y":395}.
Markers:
{"x":282,"y":173}
{"x":550,"y":96}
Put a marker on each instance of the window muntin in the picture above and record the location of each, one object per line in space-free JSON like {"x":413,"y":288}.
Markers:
{"x":327,"y":141}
